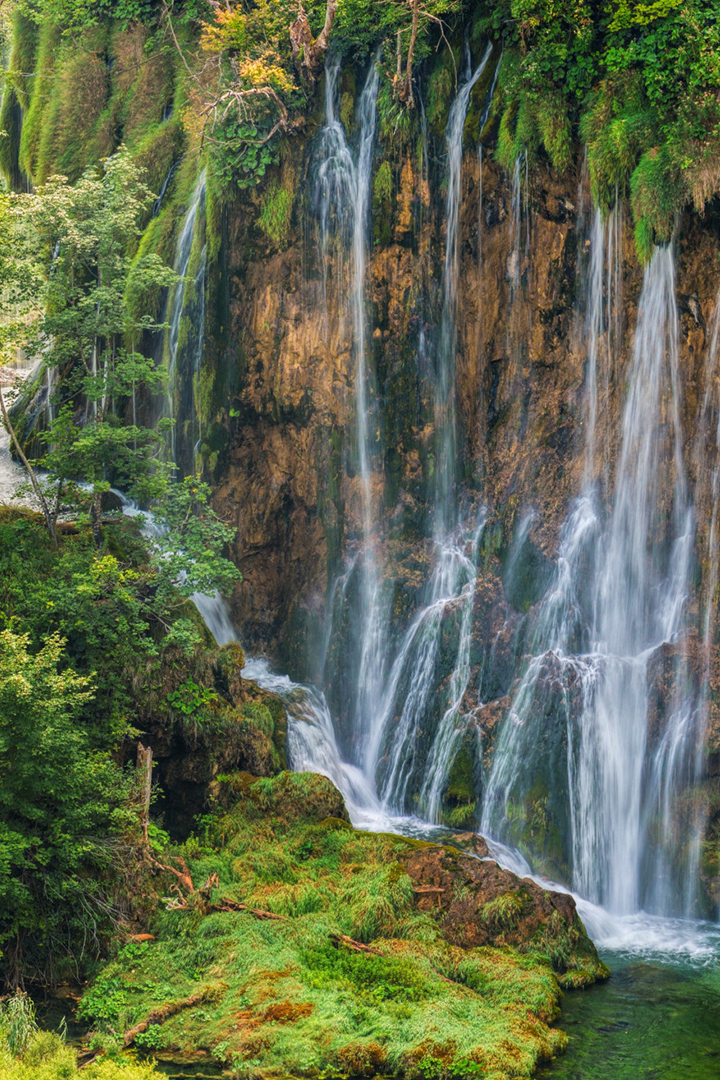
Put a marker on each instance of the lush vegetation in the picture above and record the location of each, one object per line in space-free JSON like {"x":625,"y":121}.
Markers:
{"x":96,"y":629}
{"x":27,"y":1053}
{"x":636,"y":83}
{"x":639,"y":81}
{"x":304,"y":949}
{"x":96,"y":644}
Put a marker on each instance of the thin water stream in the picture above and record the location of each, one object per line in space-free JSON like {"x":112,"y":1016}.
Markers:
{"x":180,"y":398}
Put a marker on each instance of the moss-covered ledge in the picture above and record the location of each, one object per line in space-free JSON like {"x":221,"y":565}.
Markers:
{"x":321,"y":950}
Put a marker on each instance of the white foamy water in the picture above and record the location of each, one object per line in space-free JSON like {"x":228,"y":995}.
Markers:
{"x":312,"y":747}
{"x":12,"y":473}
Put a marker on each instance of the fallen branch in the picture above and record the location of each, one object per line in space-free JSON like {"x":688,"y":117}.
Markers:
{"x":183,"y":874}
{"x":93,"y":1056}
{"x":234,"y":905}
{"x":350,"y":943}
{"x":164,"y":1012}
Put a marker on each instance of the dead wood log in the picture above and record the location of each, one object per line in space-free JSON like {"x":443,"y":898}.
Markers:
{"x":164,"y":1012}
{"x":143,"y":765}
{"x":350,"y":943}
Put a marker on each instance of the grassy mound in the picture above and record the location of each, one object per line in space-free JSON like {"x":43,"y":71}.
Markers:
{"x":309,"y":953}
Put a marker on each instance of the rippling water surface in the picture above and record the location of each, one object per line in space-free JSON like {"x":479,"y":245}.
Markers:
{"x":652,"y":1020}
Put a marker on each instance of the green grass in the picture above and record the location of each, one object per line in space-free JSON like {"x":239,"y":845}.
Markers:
{"x":26,"y":1053}
{"x":282,"y":996}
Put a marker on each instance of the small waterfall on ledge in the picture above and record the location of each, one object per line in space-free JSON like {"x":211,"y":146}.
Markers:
{"x":410,"y":699}
{"x":182,"y":384}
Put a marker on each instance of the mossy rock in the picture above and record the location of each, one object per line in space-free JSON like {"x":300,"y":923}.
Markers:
{"x":298,"y":797}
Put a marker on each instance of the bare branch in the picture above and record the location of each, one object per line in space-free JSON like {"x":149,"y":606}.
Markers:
{"x":330,"y":12}
{"x":30,"y":471}
{"x":406,"y":94}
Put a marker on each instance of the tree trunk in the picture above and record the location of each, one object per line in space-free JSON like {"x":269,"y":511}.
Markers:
{"x":30,"y":471}
{"x":406,"y":94}
{"x":144,"y":768}
{"x":322,"y":42}
{"x":95,"y":515}
{"x":308,"y":53}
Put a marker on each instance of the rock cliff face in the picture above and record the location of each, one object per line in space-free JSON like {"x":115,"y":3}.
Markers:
{"x":521,"y":364}
{"x":287,"y":470}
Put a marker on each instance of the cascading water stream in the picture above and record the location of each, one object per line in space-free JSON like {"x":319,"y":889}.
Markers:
{"x":410,"y":696}
{"x":618,"y":595}
{"x":445,"y":516}
{"x":176,"y":300}
{"x":344,"y":197}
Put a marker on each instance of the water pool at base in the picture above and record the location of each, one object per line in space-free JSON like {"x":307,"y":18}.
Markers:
{"x":651,"y":1020}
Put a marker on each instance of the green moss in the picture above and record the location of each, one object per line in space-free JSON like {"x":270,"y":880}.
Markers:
{"x":82,"y":135}
{"x":397,"y":124}
{"x":23,"y":57}
{"x":348,"y":94}
{"x":383,"y":187}
{"x":289,"y":996}
{"x":89,"y":93}
{"x":276,"y":211}
{"x":460,"y":781}
{"x":42,"y":103}
{"x":10,"y":133}
{"x":615,"y":127}
{"x":461,"y":816}
{"x":656,"y":191}
{"x":440,"y":93}
{"x":18,"y":81}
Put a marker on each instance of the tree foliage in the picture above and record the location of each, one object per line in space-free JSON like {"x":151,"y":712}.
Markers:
{"x":60,"y":804}
{"x":641,"y":82}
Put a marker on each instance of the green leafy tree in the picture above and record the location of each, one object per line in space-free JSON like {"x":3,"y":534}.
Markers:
{"x":89,"y":333}
{"x":60,"y":806}
{"x":187,"y":555}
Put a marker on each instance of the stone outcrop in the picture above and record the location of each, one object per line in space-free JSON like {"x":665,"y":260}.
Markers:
{"x":477,"y":903}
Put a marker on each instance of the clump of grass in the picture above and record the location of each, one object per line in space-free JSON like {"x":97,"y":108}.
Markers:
{"x":503,"y":913}
{"x":17,"y":1023}
{"x":26,"y":1053}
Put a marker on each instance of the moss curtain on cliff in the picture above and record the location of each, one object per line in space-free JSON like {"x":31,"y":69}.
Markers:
{"x":636,"y":83}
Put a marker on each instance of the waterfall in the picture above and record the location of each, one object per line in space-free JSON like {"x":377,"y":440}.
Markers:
{"x":177,"y":405}
{"x":344,"y":181}
{"x":169,"y":176}
{"x":639,"y":604}
{"x":312,"y":745}
{"x":445,"y":393}
{"x":618,"y":596}
{"x":402,"y":746}
{"x":411,"y":693}
{"x":602,"y":330}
